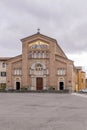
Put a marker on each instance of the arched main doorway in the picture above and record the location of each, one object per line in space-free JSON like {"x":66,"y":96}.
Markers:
{"x":38,"y":74}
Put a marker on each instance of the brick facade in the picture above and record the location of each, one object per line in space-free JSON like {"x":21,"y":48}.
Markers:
{"x":42,"y":65}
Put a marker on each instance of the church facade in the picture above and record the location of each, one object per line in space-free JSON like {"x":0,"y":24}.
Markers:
{"x":43,"y":65}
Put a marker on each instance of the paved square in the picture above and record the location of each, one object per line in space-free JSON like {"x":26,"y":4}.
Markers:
{"x":37,"y":111}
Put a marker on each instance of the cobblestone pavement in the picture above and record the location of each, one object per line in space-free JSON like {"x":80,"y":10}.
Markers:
{"x":42,"y":111}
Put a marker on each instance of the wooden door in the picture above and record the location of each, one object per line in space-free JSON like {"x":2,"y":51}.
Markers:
{"x":39,"y":83}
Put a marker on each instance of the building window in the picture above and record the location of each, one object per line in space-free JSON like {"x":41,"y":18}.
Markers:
{"x":3,"y":74}
{"x":34,"y":55}
{"x":38,"y":54}
{"x":39,"y":46}
{"x":61,"y":71}
{"x":17,"y":71}
{"x":31,"y":55}
{"x":3,"y":65}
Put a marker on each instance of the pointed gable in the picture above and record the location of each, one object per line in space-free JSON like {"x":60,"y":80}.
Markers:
{"x":38,"y":36}
{"x":44,"y":39}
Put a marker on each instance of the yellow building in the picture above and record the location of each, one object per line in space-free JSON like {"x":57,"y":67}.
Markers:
{"x":86,"y":83}
{"x":80,"y":77}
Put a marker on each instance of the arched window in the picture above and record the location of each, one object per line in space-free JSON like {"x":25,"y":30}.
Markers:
{"x":31,"y":54}
{"x":35,"y":54}
{"x":43,"y":54}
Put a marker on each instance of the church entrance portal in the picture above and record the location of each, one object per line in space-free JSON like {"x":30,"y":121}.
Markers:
{"x":39,"y":83}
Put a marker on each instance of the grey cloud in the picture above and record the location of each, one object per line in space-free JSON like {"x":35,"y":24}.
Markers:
{"x":62,"y":20}
{"x":76,"y":40}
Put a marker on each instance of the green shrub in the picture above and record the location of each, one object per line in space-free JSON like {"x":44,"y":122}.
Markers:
{"x":51,"y":88}
{"x":3,"y":86}
{"x":24,"y":89}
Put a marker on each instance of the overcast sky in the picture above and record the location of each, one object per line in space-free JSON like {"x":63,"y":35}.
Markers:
{"x":64,"y":20}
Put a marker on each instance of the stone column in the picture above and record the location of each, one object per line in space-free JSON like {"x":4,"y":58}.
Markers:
{"x":33,"y":84}
{"x":44,"y":83}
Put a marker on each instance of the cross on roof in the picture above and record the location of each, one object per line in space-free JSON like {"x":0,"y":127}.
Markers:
{"x":38,"y":30}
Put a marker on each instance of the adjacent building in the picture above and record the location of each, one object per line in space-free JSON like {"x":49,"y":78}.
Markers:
{"x":3,"y":61}
{"x":80,"y":79}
